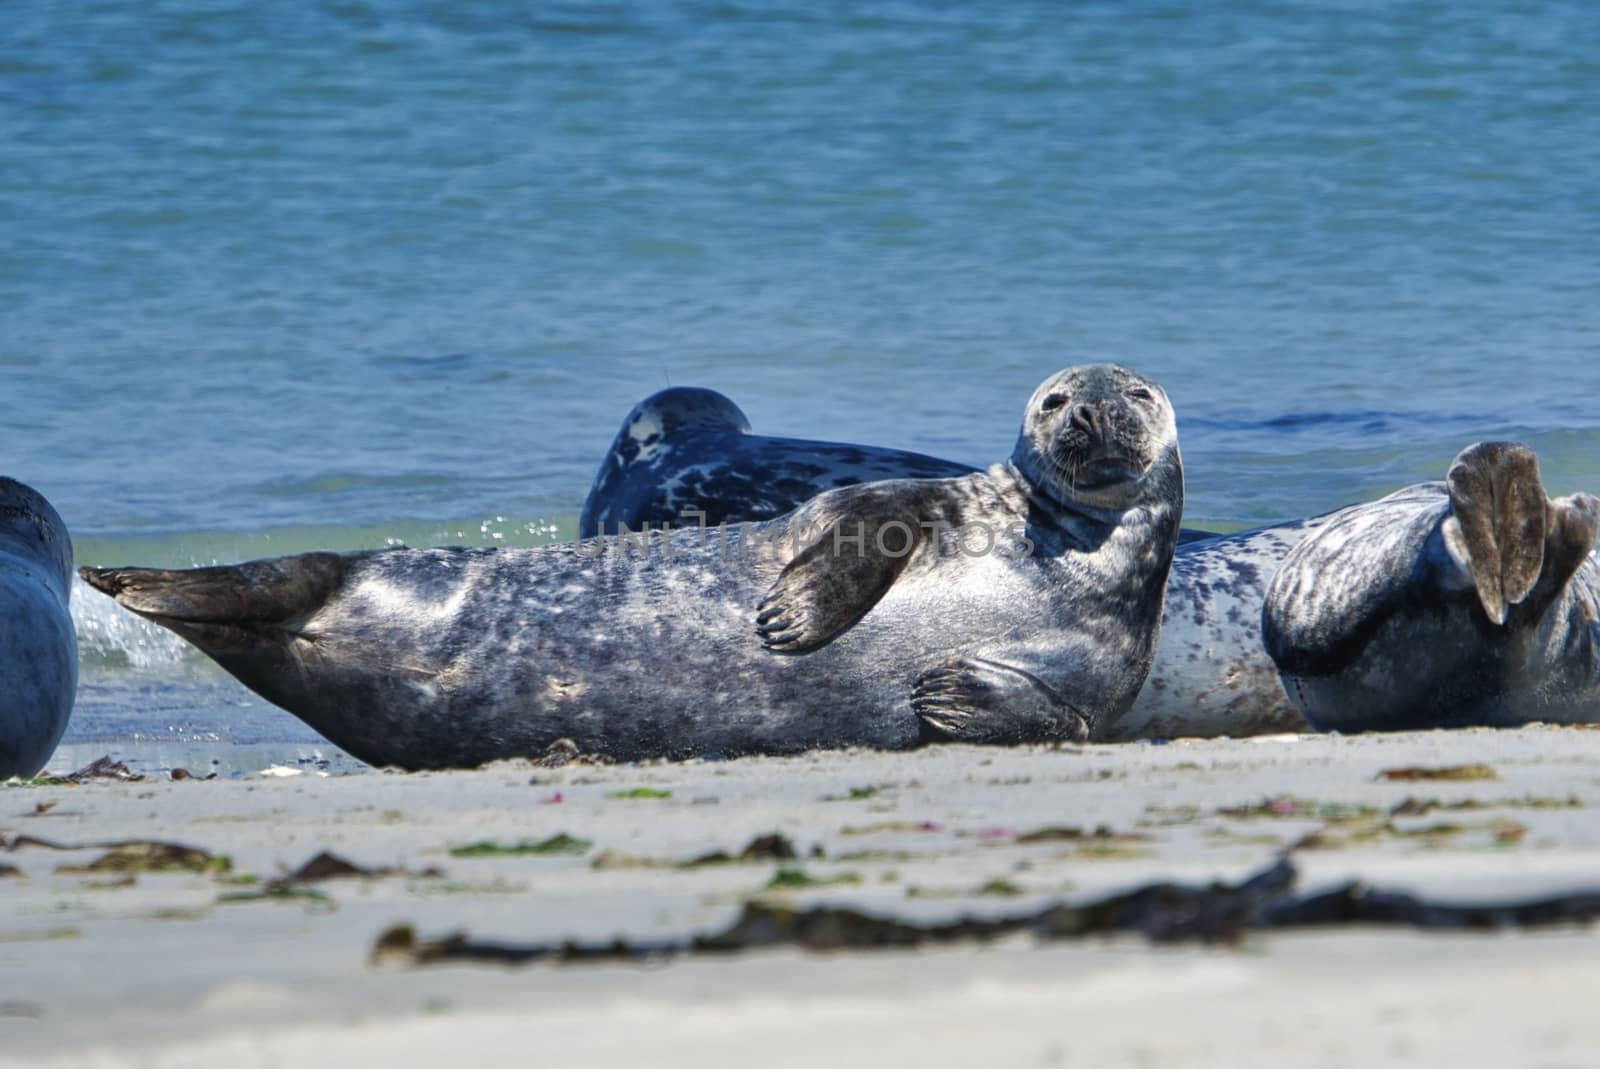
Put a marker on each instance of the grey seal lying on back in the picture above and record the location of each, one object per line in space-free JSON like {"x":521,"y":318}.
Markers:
{"x":1372,"y":630}
{"x":38,"y":647}
{"x":1015,"y":604}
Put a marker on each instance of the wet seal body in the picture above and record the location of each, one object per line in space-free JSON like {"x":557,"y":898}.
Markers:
{"x":38,"y":647}
{"x":884,"y":615}
{"x":1379,"y":629}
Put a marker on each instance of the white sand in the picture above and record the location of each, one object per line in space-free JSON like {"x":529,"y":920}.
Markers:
{"x":161,"y":973}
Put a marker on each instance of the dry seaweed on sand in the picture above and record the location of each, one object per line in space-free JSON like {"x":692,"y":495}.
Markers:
{"x":1161,"y":912}
{"x":771,"y":847}
{"x":1452,"y":773}
{"x":330,"y":866}
{"x":101,"y":768}
{"x":127,"y":855}
{"x":140,"y":856}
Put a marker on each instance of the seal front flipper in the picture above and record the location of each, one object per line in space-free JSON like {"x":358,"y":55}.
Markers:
{"x":855,"y":542}
{"x":974,"y":699}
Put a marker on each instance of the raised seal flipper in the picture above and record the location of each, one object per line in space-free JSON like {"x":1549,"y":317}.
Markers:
{"x":855,"y":542}
{"x":1520,"y":548}
{"x":1498,"y":521}
{"x":975,"y":699}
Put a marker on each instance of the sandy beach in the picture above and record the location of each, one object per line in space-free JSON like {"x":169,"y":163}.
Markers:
{"x":229,"y":961}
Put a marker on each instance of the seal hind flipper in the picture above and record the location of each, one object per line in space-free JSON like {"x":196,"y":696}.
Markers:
{"x":856,"y":542}
{"x":974,"y":699}
{"x":257,"y":594}
{"x":1499,"y":511}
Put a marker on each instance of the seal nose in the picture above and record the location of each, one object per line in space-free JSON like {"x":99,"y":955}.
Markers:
{"x":1089,"y":418}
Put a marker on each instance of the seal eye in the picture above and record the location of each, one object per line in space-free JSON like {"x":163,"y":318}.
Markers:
{"x":1052,"y":402}
{"x":1140,"y":393}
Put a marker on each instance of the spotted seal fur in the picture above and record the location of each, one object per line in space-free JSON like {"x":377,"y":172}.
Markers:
{"x":885,"y":614}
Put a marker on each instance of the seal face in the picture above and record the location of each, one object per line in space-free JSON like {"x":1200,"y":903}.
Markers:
{"x":38,"y":647}
{"x":883,"y":614}
{"x":1418,"y":610}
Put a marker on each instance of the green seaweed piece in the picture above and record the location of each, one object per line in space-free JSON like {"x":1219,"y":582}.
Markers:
{"x":561,"y":843}
{"x":277,"y":891}
{"x":1000,"y":888}
{"x":792,"y":879}
{"x":858,"y":794}
{"x":641,"y":792}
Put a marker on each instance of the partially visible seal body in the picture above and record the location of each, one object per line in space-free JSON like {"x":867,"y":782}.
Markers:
{"x":1475,"y":601}
{"x":1375,"y":618}
{"x":685,"y":456}
{"x":1015,"y":604}
{"x":38,"y":647}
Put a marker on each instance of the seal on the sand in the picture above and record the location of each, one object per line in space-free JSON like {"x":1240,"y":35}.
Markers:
{"x":1014,"y":604}
{"x":1213,"y":674}
{"x":1475,"y":601}
{"x":38,"y":647}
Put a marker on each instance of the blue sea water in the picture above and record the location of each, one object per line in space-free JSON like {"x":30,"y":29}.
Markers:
{"x":328,"y":274}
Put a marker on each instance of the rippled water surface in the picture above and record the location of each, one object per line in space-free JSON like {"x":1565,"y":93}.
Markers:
{"x":278,"y":277}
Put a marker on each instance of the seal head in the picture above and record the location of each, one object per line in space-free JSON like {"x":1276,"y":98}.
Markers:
{"x":1101,"y":437}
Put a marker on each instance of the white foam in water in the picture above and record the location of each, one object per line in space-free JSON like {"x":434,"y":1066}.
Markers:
{"x":108,"y":632}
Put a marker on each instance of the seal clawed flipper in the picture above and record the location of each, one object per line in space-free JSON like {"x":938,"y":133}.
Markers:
{"x":1521,"y":548}
{"x":857,"y":541}
{"x":208,"y":605}
{"x":819,"y":594}
{"x":972,"y":699}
